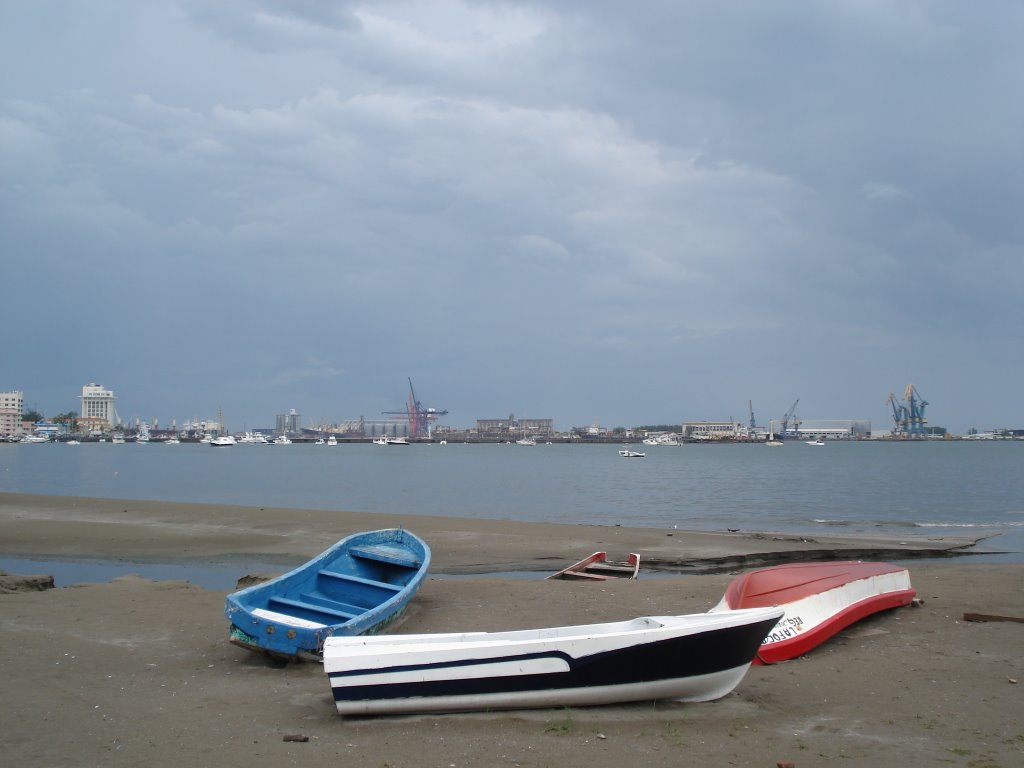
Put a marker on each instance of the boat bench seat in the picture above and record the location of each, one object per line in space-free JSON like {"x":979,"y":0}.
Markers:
{"x":610,"y":568}
{"x":385,"y":555}
{"x":361,"y":580}
{"x":329,"y":602}
{"x":322,"y":610}
{"x":286,"y":619}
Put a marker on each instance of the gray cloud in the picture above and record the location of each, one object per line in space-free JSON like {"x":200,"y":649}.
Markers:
{"x":568,"y":210}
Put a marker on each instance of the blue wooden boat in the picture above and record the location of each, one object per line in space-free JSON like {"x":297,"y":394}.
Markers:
{"x":357,"y":587}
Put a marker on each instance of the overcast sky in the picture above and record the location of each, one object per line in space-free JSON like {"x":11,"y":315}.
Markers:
{"x":624,"y":213}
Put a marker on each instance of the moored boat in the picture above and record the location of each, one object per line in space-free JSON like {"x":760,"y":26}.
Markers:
{"x":358,"y":586}
{"x":697,"y":657}
{"x":222,"y":441}
{"x":598,"y":567}
{"x":820,"y":599}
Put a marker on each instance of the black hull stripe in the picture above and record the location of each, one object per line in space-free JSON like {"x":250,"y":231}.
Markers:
{"x":688,"y":656}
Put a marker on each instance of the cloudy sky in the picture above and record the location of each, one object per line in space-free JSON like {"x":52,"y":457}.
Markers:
{"x":585,"y":211}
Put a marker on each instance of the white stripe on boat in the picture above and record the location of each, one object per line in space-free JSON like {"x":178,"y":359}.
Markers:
{"x":284,"y":618}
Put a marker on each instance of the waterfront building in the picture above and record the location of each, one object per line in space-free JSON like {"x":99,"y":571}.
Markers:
{"x":288,"y":423}
{"x":12,"y":406}
{"x":386,"y":428}
{"x":49,"y":429}
{"x":514,"y":426}
{"x":713,"y":430}
{"x":202,"y":427}
{"x":832,"y":429}
{"x":98,"y":413}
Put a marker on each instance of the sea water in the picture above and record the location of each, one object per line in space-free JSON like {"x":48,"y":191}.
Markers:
{"x":882,"y":488}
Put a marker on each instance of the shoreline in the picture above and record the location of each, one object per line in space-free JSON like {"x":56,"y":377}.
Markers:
{"x":135,"y":671}
{"x":65,"y":527}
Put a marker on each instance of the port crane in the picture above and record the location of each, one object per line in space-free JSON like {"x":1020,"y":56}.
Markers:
{"x":908,"y":415}
{"x":790,"y":418}
{"x":418,"y":416}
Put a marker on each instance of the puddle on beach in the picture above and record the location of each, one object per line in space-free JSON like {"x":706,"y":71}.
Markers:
{"x":214,"y":577}
{"x":224,"y":577}
{"x":68,"y":572}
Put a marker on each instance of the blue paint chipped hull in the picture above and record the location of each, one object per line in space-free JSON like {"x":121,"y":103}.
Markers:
{"x":357,"y":587}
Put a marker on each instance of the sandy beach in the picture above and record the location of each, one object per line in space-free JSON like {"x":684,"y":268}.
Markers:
{"x":139,"y":672}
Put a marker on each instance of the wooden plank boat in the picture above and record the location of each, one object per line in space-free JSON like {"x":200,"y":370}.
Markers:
{"x":358,"y":586}
{"x":820,"y":599}
{"x":694,"y":658}
{"x":599,"y":568}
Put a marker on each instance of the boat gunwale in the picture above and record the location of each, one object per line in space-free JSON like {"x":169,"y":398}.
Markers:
{"x":372,"y":619}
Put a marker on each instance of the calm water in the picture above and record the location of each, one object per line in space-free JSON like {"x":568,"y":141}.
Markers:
{"x":961,"y":488}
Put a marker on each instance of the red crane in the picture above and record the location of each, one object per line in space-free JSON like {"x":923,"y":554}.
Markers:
{"x":418,"y":416}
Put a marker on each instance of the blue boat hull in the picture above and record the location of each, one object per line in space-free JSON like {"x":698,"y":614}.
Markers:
{"x":357,"y":587}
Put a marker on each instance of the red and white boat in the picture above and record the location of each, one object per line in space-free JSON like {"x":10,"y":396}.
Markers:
{"x":598,"y":567}
{"x":820,"y":599}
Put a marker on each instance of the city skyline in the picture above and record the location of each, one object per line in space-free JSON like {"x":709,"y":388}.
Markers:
{"x":295,"y":415}
{"x":571,"y":210}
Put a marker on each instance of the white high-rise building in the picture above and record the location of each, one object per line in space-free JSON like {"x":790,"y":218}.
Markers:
{"x":12,"y":406}
{"x":97,"y":408}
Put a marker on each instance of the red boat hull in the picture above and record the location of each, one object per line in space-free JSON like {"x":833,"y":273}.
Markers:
{"x":820,"y":600}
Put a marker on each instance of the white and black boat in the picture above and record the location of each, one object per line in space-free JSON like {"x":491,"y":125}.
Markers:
{"x":696,"y":657}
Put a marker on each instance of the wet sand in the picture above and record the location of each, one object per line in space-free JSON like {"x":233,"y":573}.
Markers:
{"x":139,"y":672}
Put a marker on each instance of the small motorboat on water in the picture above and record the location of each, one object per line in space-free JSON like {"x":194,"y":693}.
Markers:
{"x":820,"y":599}
{"x":697,"y":657}
{"x":814,"y":442}
{"x":626,"y":453}
{"x":222,"y":441}
{"x":358,"y":586}
{"x":598,"y":567}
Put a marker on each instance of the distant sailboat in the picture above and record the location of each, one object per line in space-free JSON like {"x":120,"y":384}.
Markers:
{"x":772,"y":441}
